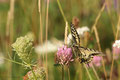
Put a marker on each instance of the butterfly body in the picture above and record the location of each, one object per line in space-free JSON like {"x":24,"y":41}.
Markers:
{"x":85,"y":55}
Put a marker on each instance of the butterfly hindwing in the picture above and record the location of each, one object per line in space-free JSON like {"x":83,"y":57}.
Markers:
{"x":90,"y":52}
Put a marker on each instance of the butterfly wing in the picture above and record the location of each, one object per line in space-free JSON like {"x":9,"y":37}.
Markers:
{"x":75,"y":36}
{"x":90,"y":52}
{"x":87,"y":54}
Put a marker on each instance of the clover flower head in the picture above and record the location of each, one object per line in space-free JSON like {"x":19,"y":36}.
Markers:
{"x":64,"y":55}
{"x":40,"y":74}
{"x":116,"y":49}
{"x":117,"y":44}
{"x":96,"y":61}
{"x":23,"y":47}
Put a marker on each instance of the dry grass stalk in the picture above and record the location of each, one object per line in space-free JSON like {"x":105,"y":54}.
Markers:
{"x":40,"y":33}
{"x":66,"y":32}
{"x":9,"y":35}
{"x":109,"y":14}
{"x":118,"y":26}
{"x":98,"y":17}
{"x":98,"y":43}
{"x":87,"y":71}
{"x":95,"y":72}
{"x":68,"y":73}
{"x":41,"y":26}
{"x":97,"y":37}
{"x":46,"y":31}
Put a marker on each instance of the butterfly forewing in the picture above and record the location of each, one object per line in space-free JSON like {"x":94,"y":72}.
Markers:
{"x":75,"y":35}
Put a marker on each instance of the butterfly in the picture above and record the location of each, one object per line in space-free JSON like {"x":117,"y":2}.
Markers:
{"x":85,"y":55}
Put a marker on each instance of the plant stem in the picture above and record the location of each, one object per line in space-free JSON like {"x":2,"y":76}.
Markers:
{"x":14,"y":61}
{"x":41,"y":26}
{"x":69,"y":73}
{"x":62,"y":72}
{"x":118,"y":65}
{"x":66,"y":32}
{"x":118,"y":25}
{"x":80,"y":71}
{"x":95,"y":72}
{"x":61,"y":10}
{"x":9,"y":35}
{"x":87,"y":72}
{"x":33,"y":73}
{"x":65,"y":20}
{"x":46,"y":36}
{"x":110,"y":16}
{"x":98,"y":17}
{"x":99,"y":46}
{"x":23,"y":65}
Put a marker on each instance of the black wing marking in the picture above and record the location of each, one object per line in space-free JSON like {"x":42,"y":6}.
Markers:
{"x":87,"y":54}
{"x":75,"y":35}
{"x":90,"y":52}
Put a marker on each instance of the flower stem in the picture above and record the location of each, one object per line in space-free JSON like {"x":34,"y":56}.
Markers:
{"x":118,"y":70}
{"x":46,"y":36}
{"x":62,"y":72}
{"x":14,"y":61}
{"x":41,"y":26}
{"x":65,"y":20}
{"x":61,"y":10}
{"x":69,"y":73}
{"x":96,"y":35}
{"x":112,"y":65}
{"x":88,"y":72}
{"x":33,"y":73}
{"x":23,"y":65}
{"x":95,"y":72}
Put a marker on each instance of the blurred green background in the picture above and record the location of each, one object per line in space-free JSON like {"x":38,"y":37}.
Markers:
{"x":26,"y":19}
